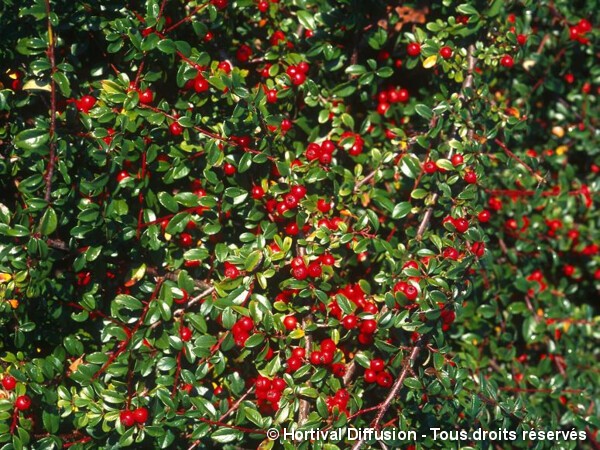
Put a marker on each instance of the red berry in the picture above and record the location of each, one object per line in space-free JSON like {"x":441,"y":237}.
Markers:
{"x":294,"y":363}
{"x":384,"y":379}
{"x":23,"y":403}
{"x":219,"y":4}
{"x":377,"y":364}
{"x":224,"y":66}
{"x":430,"y":167}
{"x":323,"y":205}
{"x":382,"y":108}
{"x":246,"y":323}
{"x":327,"y":345}
{"x":461,"y":225}
{"x":298,"y":191}
{"x":314,"y":269}
{"x":457,"y":159}
{"x":413,"y":49}
{"x":315,"y":358}
{"x":328,"y":259}
{"x":185,"y":334}
{"x":290,"y":201}
{"x":122,"y":175}
{"x":231,"y":271}
{"x":175,"y":129}
{"x":140,"y":415}
{"x":263,"y":6}
{"x":85,"y":103}
{"x":446,"y":52}
{"x":258,"y":192}
{"x":299,"y":352}
{"x":470,"y":177}
{"x":272,"y":96}
{"x":286,"y":125}
{"x":9,"y":382}
{"x":229,"y":169}
{"x":290,"y":323}
{"x":411,"y":292}
{"x":478,"y":249}
{"x":507,"y":61}
{"x":450,"y":253}
{"x":349,"y":322}
{"x":370,"y":376}
{"x":186,"y":240}
{"x":146,"y":97}
{"x":300,"y":273}
{"x":484,"y":216}
{"x":521,"y":39}
{"x":200,"y":84}
{"x":368,"y":326}
{"x":403,"y":95}
{"x":127,"y":418}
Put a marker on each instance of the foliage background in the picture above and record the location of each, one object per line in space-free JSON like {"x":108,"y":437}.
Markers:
{"x":96,"y":203}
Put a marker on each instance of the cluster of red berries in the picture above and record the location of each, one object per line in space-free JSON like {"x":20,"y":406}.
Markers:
{"x":322,"y":152}
{"x":338,"y":401}
{"x":376,"y":373}
{"x":389,"y":96}
{"x":447,"y":317}
{"x":129,"y":418}
{"x":241,"y":330}
{"x":578,"y":32}
{"x":461,"y":224}
{"x":356,"y":295}
{"x":268,"y":393}
{"x":22,"y":402}
{"x":198,"y":83}
{"x":290,"y":200}
{"x":325,"y":354}
{"x":300,"y":270}
{"x":297,"y":73}
{"x":355,"y":141}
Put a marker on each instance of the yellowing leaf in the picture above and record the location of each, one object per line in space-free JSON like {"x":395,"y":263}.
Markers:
{"x":35,"y":85}
{"x":14,"y":303}
{"x":430,"y":61}
{"x":75,"y":364}
{"x":5,"y":277}
{"x":561,"y":149}
{"x":136,"y":275}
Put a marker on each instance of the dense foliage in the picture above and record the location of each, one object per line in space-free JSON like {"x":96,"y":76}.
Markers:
{"x":222,"y":217}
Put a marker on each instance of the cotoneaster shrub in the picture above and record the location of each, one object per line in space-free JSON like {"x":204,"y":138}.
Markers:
{"x":222,"y":217}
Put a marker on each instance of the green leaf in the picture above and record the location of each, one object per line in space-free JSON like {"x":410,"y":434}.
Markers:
{"x":253,"y":260}
{"x":167,"y":46}
{"x":63,"y":83}
{"x":424,"y":111}
{"x":49,"y":222}
{"x":31,"y":139}
{"x":168,"y":201}
{"x":401,"y":210}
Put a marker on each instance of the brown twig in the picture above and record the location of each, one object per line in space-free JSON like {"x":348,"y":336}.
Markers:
{"x":503,"y":146}
{"x":467,"y":83}
{"x":52,"y":130}
{"x":385,"y":405}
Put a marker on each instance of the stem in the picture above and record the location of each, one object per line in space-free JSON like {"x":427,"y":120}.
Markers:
{"x":52,"y":130}
{"x":123,"y":345}
{"x":503,"y":146}
{"x":385,"y":405}
{"x":467,"y":83}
